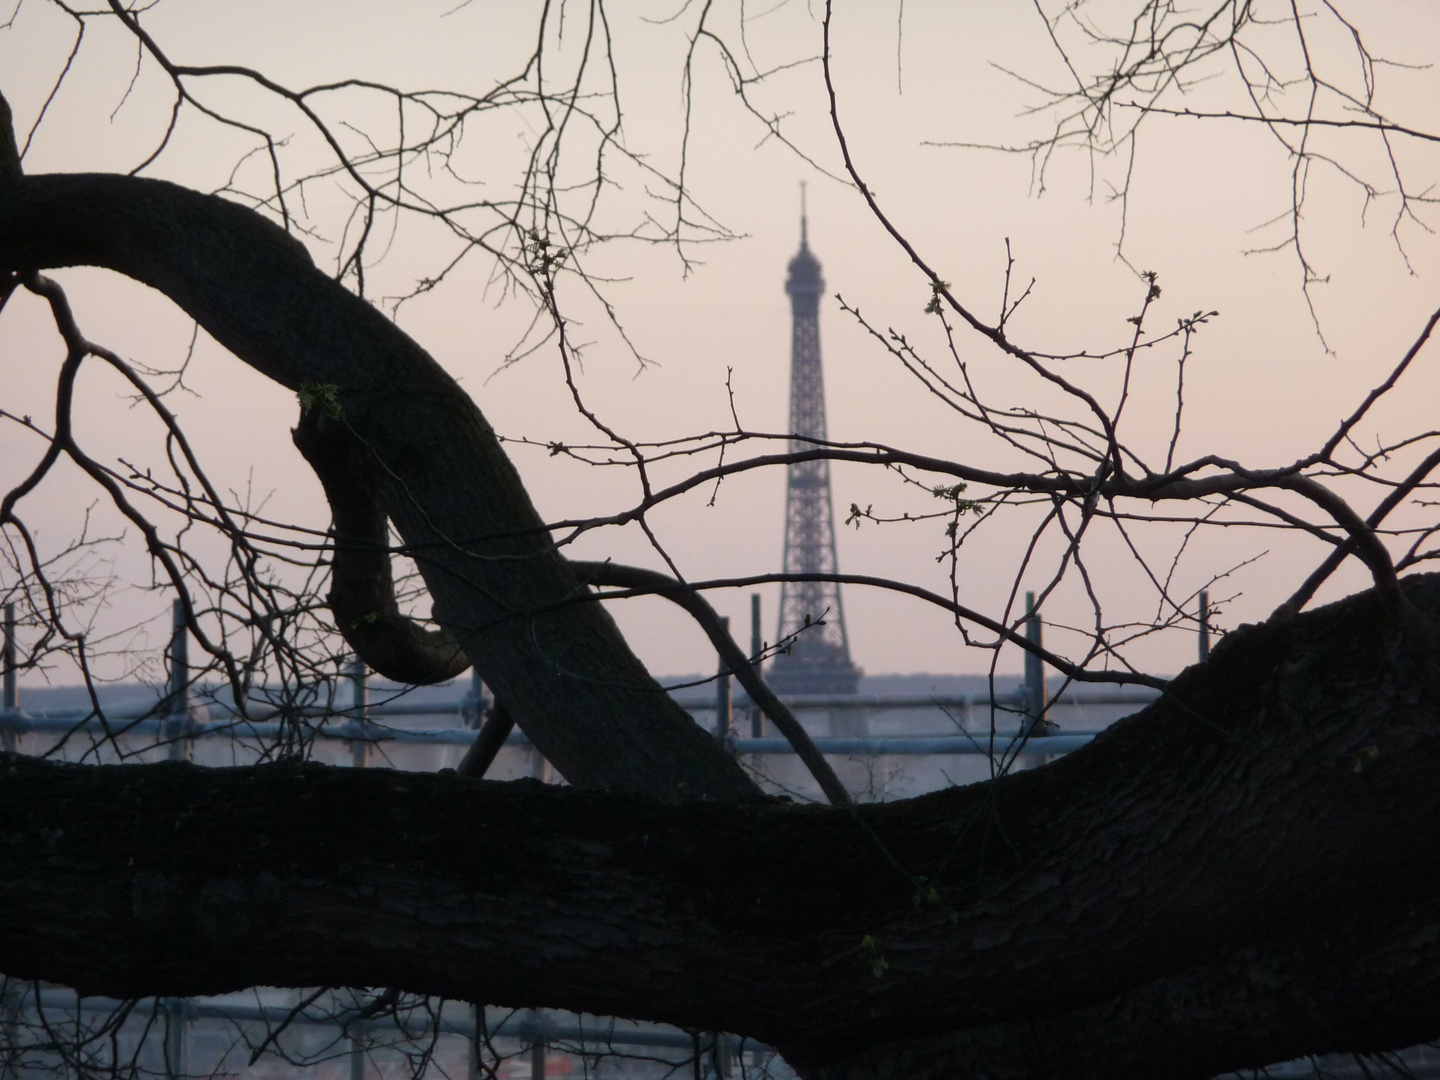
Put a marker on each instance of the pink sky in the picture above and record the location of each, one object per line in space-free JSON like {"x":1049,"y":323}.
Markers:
{"x":1260,"y":386}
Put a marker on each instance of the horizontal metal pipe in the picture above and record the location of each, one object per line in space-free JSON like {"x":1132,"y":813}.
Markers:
{"x":350,"y":731}
{"x":499,"y":1023}
{"x":977,"y":743}
{"x":931,"y":701}
{"x":973,"y":743}
{"x":260,"y":711}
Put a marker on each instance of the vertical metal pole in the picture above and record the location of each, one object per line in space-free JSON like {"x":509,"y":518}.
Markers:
{"x":177,"y":712}
{"x":1204,"y":625}
{"x":473,"y":707}
{"x":12,"y":695}
{"x":722,"y":1056}
{"x":179,"y":660}
{"x":1034,"y":672}
{"x":537,"y":1047}
{"x":357,"y":1057}
{"x":722,"y":695}
{"x":757,"y":645}
{"x":177,"y":1038}
{"x":11,"y":701}
{"x":539,"y":766}
{"x":360,"y":712}
{"x":477,"y":1016}
{"x":475,"y":704}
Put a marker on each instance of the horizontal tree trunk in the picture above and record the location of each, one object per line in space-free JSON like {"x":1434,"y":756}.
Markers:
{"x":565,"y":673}
{"x":1243,"y":872}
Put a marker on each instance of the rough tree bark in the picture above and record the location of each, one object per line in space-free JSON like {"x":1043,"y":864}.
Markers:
{"x":1239,"y":874}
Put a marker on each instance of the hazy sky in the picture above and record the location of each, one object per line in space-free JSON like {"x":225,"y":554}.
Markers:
{"x":1260,"y":386}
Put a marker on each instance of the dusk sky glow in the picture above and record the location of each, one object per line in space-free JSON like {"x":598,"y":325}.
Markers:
{"x":1260,"y":385}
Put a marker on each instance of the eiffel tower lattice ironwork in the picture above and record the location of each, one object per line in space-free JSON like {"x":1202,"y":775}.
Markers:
{"x":819,"y":658}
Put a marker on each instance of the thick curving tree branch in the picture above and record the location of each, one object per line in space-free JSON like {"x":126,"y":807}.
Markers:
{"x":564,"y":672}
{"x":362,"y":584}
{"x":362,"y":599}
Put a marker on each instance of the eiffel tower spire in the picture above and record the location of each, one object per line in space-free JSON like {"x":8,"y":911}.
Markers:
{"x":819,"y":658}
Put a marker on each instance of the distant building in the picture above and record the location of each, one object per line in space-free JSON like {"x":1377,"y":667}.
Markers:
{"x":812,"y":617}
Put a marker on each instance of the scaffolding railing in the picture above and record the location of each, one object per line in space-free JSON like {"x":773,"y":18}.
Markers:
{"x":173,"y":718}
{"x":355,"y":1030}
{"x":184,"y":714}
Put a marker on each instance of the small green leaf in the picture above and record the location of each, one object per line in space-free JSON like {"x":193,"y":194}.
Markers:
{"x":873,"y":959}
{"x":315,"y":395}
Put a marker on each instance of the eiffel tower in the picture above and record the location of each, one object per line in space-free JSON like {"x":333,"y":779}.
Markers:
{"x":819,"y":658}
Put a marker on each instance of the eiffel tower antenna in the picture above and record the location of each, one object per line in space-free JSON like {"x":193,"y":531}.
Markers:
{"x":819,"y":659}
